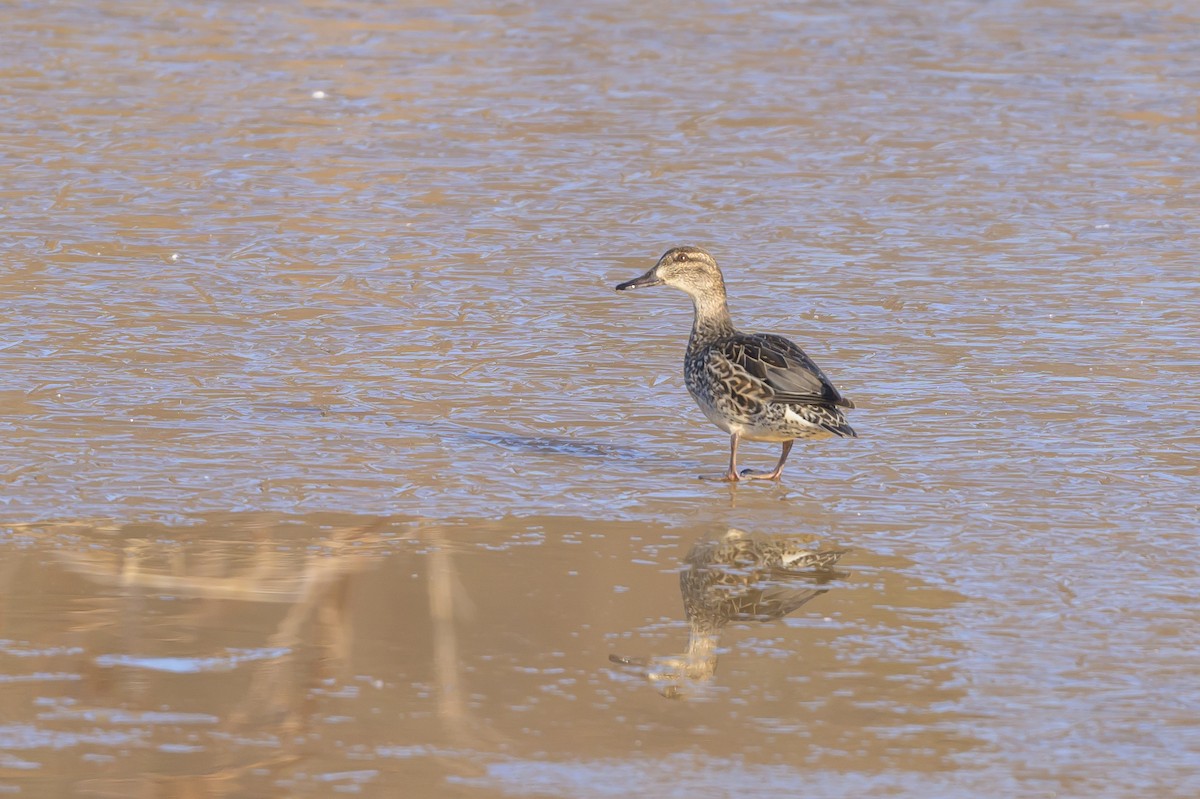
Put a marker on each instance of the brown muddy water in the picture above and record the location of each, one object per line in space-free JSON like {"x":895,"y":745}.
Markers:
{"x":333,"y":464}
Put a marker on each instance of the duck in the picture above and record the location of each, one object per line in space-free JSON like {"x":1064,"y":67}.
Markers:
{"x":736,"y":577}
{"x":754,"y":386}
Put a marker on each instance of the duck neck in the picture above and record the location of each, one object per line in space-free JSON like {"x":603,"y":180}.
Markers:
{"x":701,"y":658}
{"x":711,"y":320}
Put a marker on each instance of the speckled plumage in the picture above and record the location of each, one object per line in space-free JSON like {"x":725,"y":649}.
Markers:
{"x":757,"y":386}
{"x":737,"y":577}
{"x":746,"y":577}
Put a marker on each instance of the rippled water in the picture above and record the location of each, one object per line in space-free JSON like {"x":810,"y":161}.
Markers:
{"x":333,"y":464}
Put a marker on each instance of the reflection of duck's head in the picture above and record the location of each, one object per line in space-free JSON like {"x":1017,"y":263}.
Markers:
{"x":673,"y":674}
{"x":676,"y":676}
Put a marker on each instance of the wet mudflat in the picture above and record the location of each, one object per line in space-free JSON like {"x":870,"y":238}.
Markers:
{"x":332,"y":463}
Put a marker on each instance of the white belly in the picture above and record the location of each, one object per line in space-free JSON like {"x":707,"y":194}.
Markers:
{"x":793,"y":426}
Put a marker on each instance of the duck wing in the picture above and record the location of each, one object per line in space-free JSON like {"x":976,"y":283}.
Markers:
{"x":771,"y":602}
{"x":784,"y":368}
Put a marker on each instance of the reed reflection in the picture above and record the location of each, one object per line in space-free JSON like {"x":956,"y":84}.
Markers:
{"x":254,"y":596}
{"x":737,"y":577}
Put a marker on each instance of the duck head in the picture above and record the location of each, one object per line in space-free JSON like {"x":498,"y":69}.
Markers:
{"x":674,"y":676}
{"x":688,"y":269}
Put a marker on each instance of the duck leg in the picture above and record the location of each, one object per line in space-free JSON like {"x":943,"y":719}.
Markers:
{"x":732,"y":475}
{"x":774,"y":473}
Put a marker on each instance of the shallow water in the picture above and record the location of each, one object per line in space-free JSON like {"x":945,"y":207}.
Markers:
{"x":333,"y":464}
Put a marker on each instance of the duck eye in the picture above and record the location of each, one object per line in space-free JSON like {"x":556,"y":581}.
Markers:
{"x":681,"y":256}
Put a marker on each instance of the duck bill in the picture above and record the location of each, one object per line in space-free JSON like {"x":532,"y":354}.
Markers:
{"x":625,"y":660}
{"x":648,"y":279}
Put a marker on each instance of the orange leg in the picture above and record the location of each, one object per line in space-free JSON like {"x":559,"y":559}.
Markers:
{"x":732,"y":475}
{"x":775,"y":473}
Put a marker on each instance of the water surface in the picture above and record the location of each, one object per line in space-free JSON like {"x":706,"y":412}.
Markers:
{"x":333,"y":464}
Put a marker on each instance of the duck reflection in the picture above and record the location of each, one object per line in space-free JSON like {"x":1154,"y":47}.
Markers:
{"x":739,"y":576}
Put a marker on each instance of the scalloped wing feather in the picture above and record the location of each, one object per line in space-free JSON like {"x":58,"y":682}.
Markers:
{"x":788,"y":370}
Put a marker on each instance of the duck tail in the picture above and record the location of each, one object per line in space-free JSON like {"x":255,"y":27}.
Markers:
{"x":835,"y":422}
{"x":844,"y":430}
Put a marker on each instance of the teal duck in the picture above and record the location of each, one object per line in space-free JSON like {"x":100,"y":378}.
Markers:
{"x":738,"y":577}
{"x":754,"y":386}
